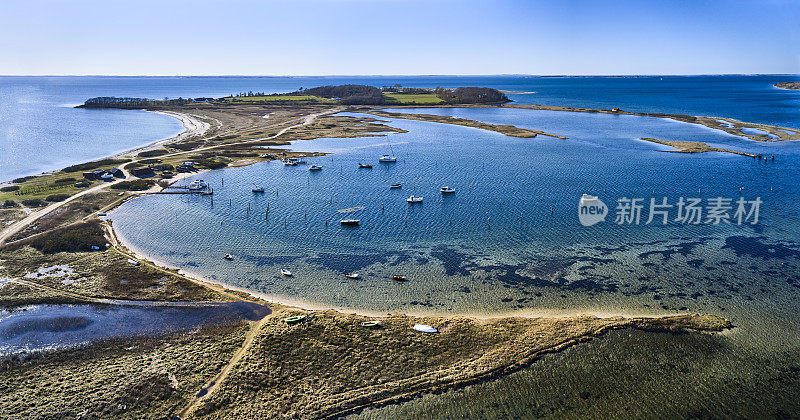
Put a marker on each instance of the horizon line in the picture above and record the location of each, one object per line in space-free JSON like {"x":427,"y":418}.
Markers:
{"x":403,"y":75}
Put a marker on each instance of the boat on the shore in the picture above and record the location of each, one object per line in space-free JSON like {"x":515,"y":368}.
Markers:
{"x":133,"y":262}
{"x":290,"y":162}
{"x":371,"y":324}
{"x":425,"y":328}
{"x":399,"y":278}
{"x":395,"y":186}
{"x":315,"y":168}
{"x":350,"y":222}
{"x":294,"y":319}
{"x":387,"y":159}
{"x":352,"y":275}
{"x":447,"y":190}
{"x":414,"y":199}
{"x":286,"y":272}
{"x":364,"y":166}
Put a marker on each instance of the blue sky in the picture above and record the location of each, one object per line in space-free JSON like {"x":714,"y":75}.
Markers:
{"x":393,"y":37}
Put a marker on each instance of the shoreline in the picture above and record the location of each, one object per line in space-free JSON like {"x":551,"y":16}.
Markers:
{"x":124,"y":245}
{"x":192,"y":127}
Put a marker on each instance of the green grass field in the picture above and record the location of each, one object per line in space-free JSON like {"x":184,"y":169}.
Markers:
{"x":423,"y":99}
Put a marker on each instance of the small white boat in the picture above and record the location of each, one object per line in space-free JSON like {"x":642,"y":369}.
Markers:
{"x":352,"y":275}
{"x":414,"y":199}
{"x":228,"y":257}
{"x":133,"y":262}
{"x":290,"y":162}
{"x":315,"y":168}
{"x":387,"y":159}
{"x":350,"y":222}
{"x":447,"y":190}
{"x":197,"y":185}
{"x":394,"y":186}
{"x":425,"y":328}
{"x":286,"y":272}
{"x":258,"y":190}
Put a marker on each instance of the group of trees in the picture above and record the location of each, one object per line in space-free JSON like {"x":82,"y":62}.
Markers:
{"x":471,"y":95}
{"x":131,"y":103}
{"x":398,"y":88}
{"x":345,"y":94}
{"x":348,"y":94}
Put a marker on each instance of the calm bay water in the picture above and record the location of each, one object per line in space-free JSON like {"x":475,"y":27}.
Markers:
{"x":40,"y":131}
{"x":509,"y":238}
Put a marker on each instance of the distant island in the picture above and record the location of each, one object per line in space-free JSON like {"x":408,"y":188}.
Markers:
{"x":327,"y":95}
{"x":788,"y":85}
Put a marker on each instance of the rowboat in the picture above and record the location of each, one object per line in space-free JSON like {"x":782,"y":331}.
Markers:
{"x":399,"y":278}
{"x":258,"y":190}
{"x":294,"y":319}
{"x":425,"y":328}
{"x":371,"y":324}
{"x":228,"y":257}
{"x":393,"y":186}
{"x":365,"y":166}
{"x":349,"y":222}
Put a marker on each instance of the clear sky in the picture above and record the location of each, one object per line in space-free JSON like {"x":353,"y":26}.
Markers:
{"x":398,"y":37}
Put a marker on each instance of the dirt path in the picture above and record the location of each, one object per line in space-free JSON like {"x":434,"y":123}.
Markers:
{"x":218,"y":380}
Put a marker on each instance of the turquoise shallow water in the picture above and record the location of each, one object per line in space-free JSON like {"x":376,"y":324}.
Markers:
{"x":509,"y":238}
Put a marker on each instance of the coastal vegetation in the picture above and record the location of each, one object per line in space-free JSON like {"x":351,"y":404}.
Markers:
{"x":694,"y":147}
{"x":788,"y":85}
{"x":321,"y":95}
{"x":94,"y":165}
{"x":506,"y":129}
{"x":134,"y":185}
{"x":135,"y":378}
{"x":79,"y":237}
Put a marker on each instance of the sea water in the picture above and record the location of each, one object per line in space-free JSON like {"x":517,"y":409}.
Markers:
{"x":40,"y":130}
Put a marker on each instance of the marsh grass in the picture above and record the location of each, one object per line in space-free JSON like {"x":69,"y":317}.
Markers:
{"x":627,"y":374}
{"x":103,"y":274}
{"x":122,"y":378}
{"x":330,"y":365}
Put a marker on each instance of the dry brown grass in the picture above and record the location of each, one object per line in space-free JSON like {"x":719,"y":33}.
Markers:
{"x":330,"y":365}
